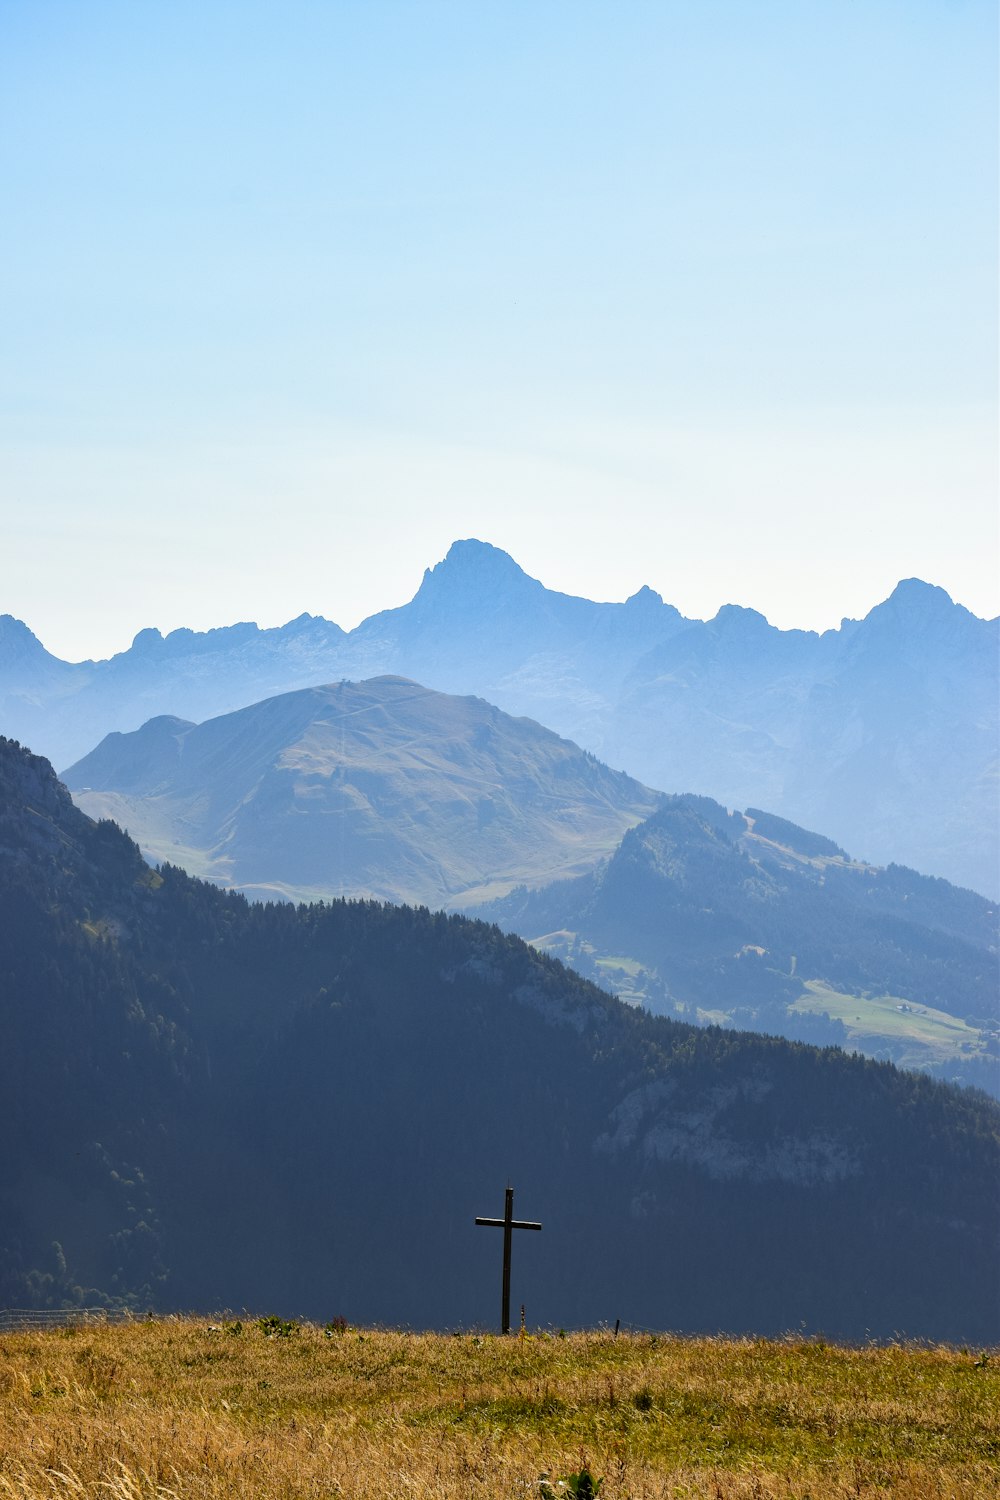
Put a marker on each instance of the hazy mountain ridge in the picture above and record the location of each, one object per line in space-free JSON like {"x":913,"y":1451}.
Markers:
{"x":242,"y":1104}
{"x":849,"y":731}
{"x":380,"y":788}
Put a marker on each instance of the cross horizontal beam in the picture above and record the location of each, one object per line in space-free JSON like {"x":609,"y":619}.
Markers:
{"x":514,"y":1223}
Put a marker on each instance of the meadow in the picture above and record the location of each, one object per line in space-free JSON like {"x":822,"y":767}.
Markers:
{"x":243,"y":1407}
{"x":930,"y":1035}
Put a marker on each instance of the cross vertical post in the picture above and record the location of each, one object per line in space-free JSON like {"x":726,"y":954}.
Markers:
{"x":508,"y":1223}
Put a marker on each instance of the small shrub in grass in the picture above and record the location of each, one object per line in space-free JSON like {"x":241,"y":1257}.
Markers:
{"x":277,"y":1328}
{"x":582,"y":1485}
{"x":335,"y":1325}
{"x":579,"y":1486}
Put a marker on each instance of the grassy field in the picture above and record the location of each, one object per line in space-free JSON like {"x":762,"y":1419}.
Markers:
{"x":180,"y":1408}
{"x":932,"y":1035}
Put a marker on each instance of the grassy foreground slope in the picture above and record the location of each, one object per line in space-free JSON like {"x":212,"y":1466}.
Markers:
{"x":183,"y":1408}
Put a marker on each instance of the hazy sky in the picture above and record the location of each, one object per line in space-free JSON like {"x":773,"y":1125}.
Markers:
{"x":699,"y":295}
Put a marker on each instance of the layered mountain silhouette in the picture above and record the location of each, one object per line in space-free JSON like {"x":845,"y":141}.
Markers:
{"x":387,"y":789}
{"x":302,"y":1109}
{"x":884,"y":732}
{"x":379,"y":788}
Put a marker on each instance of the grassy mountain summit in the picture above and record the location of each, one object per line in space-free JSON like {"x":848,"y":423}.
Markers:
{"x":218,"y":1104}
{"x":378,"y":788}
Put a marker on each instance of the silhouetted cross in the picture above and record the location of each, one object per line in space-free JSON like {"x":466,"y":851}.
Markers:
{"x":507,"y":1223}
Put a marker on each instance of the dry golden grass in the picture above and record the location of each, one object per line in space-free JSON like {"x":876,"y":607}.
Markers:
{"x":181,"y":1408}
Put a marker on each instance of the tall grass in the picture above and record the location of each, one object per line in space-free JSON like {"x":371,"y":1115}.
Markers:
{"x":184,"y":1408}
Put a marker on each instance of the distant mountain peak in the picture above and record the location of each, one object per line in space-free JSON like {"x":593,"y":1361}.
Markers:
{"x":915,"y":607}
{"x":17,"y":642}
{"x":163,"y":724}
{"x":913,"y":594}
{"x":740,"y":617}
{"x":148,"y":639}
{"x":473,"y":572}
{"x":645,"y":598}
{"x":472,"y":558}
{"x":12,"y":627}
{"x":471,"y":552}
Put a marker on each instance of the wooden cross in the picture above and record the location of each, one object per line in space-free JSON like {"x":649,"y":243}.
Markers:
{"x":507,"y":1223}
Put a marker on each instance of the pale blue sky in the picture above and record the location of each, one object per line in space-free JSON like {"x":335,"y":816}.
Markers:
{"x":695,"y":295}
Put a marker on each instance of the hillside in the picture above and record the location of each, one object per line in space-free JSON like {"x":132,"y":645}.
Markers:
{"x":746,"y":919}
{"x":219,"y":1104}
{"x":883,"y":732}
{"x":378,"y":788}
{"x":244,"y":1407}
{"x":387,"y":789}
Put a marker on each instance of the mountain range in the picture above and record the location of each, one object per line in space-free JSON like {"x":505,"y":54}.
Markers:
{"x":883,"y":732}
{"x":379,"y":788}
{"x":214,"y":1103}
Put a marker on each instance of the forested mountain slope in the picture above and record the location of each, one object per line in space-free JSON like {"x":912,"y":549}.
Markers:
{"x":209,"y":1103}
{"x":884,"y":732}
{"x":748,"y":919}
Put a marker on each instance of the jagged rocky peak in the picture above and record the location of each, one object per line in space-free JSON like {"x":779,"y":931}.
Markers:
{"x":914,"y":593}
{"x":17,"y":642}
{"x":305,"y":622}
{"x":737,"y":617}
{"x":913,"y":603}
{"x":307,"y":628}
{"x":645,"y":598}
{"x":916,"y":610}
{"x":184,"y":641}
{"x":474,"y":570}
{"x":147,"y":640}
